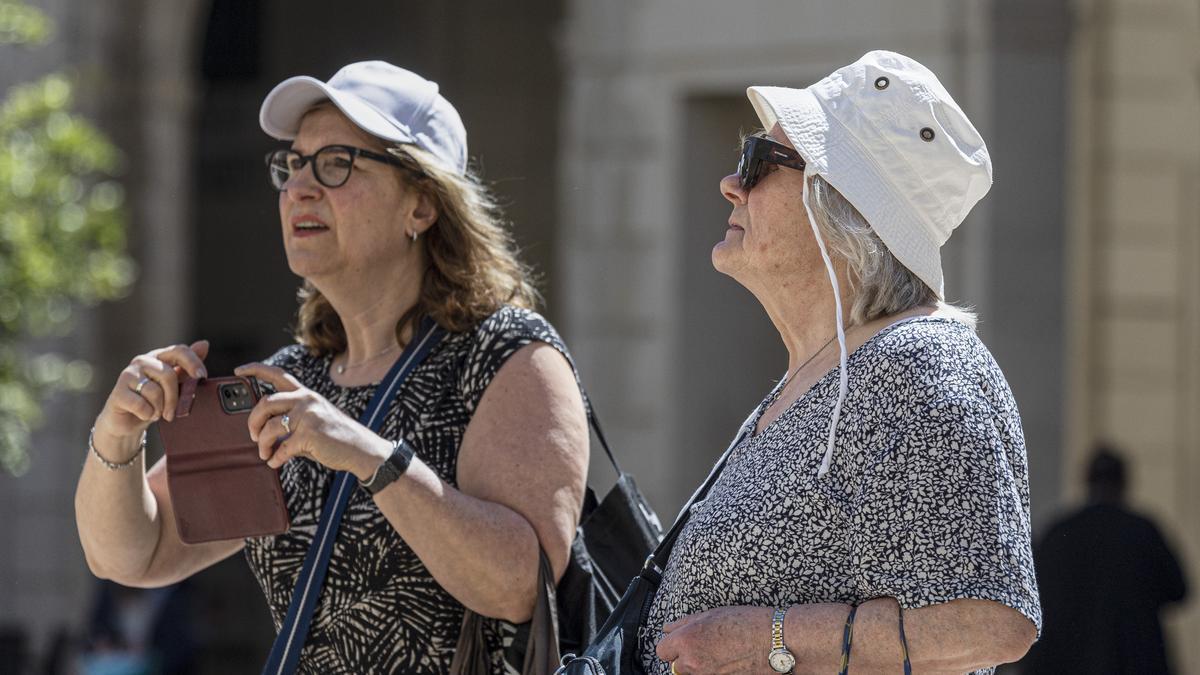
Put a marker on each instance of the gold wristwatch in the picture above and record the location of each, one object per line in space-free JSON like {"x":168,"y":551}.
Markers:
{"x":780,"y":658}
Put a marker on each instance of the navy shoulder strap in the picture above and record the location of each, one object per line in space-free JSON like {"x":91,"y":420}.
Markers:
{"x":285,"y":653}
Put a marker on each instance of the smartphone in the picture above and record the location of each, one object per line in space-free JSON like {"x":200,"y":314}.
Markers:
{"x":220,"y":488}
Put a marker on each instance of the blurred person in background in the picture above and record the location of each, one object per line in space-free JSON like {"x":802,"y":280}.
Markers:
{"x":14,"y":649}
{"x":385,"y":224}
{"x":134,"y":631}
{"x":875,"y":513}
{"x":1106,"y":573}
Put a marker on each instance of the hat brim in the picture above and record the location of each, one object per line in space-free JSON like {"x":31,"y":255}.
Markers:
{"x":831,"y":151}
{"x":284,"y":108}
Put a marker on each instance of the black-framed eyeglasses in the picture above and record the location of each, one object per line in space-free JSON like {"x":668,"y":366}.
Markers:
{"x":757,"y":150}
{"x":331,"y":164}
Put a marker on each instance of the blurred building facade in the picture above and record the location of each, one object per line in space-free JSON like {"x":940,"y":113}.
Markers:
{"x":605,"y":128}
{"x":1134,"y":240}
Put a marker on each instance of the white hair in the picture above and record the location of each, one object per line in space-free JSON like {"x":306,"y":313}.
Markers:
{"x":881,"y":284}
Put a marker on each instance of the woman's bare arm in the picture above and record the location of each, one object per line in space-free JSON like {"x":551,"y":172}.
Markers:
{"x":127,"y":528}
{"x":952,"y":637}
{"x":124,"y":516}
{"x":522,"y":469}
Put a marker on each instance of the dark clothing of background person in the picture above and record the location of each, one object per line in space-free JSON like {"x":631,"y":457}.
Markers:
{"x":1105,"y":573}
{"x":168,"y":638}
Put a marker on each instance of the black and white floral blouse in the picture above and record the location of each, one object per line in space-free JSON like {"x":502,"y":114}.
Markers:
{"x":380,"y":610}
{"x":926,"y":499}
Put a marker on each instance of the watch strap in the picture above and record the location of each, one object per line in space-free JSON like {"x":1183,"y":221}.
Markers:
{"x":780,"y":659}
{"x":777,"y":628}
{"x":391,"y":469}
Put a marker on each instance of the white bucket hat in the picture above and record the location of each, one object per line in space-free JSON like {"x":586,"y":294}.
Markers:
{"x":887,"y":135}
{"x":384,"y":100}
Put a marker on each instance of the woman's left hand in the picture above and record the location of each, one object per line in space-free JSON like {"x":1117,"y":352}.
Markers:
{"x":318,"y":430}
{"x":721,"y":640}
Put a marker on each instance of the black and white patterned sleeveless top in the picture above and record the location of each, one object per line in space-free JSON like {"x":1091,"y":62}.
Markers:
{"x":380,"y":610}
{"x":926,"y":499}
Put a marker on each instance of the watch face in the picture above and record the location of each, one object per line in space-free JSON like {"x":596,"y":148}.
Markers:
{"x":781,"y":661}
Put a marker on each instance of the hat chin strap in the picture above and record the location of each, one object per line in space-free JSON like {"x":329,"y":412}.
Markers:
{"x":843,"y":376}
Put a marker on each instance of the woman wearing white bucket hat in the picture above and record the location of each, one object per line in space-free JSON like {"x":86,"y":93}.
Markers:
{"x":481,"y":454}
{"x":875,"y":515}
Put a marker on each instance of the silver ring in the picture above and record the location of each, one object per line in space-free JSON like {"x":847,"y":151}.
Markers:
{"x":141,"y":383}
{"x":287,"y":424}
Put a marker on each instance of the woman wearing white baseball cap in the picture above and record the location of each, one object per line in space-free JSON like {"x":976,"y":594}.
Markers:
{"x":481,"y":454}
{"x":876,"y":514}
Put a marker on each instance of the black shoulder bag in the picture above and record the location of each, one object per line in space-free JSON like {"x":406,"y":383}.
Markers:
{"x":615,"y":649}
{"x":611,"y":543}
{"x":612,"y":540}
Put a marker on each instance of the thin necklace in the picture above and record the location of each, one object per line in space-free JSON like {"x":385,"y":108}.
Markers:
{"x":808,"y":361}
{"x":342,"y":368}
{"x":779,"y":392}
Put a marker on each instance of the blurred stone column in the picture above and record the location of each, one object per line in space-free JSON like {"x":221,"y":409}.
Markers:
{"x":616,"y":267}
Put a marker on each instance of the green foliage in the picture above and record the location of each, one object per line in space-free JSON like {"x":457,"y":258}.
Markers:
{"x":23,"y":25}
{"x":62,"y":235}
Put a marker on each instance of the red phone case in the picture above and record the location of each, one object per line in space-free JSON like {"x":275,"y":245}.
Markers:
{"x":220,"y":488}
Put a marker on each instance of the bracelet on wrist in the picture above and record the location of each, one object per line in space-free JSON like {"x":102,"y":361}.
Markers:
{"x":847,"y":641}
{"x":904,"y":640}
{"x":114,"y":466}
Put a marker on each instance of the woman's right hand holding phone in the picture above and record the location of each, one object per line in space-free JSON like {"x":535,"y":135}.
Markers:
{"x":146,"y":391}
{"x":124,"y":513}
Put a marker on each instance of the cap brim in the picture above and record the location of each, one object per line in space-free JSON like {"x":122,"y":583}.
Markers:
{"x":284,"y":108}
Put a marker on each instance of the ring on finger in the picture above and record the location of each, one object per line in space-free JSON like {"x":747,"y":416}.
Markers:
{"x":286,"y":421}
{"x":141,"y":383}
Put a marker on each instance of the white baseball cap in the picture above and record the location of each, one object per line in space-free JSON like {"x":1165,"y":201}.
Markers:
{"x":888,"y":136}
{"x":384,"y":100}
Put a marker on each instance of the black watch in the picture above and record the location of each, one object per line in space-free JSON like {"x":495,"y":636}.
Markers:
{"x":392,"y":468}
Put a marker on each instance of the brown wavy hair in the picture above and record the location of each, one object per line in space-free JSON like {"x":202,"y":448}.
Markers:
{"x":472,"y":270}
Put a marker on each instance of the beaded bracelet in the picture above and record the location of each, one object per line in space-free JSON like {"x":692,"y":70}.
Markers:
{"x":847,"y":638}
{"x":113,"y":466}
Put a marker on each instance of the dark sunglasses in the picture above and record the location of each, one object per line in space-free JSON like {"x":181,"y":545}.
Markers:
{"x":331,"y":164}
{"x":756,"y":151}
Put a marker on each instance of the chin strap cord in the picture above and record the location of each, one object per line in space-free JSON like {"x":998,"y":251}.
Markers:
{"x":843,"y":375}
